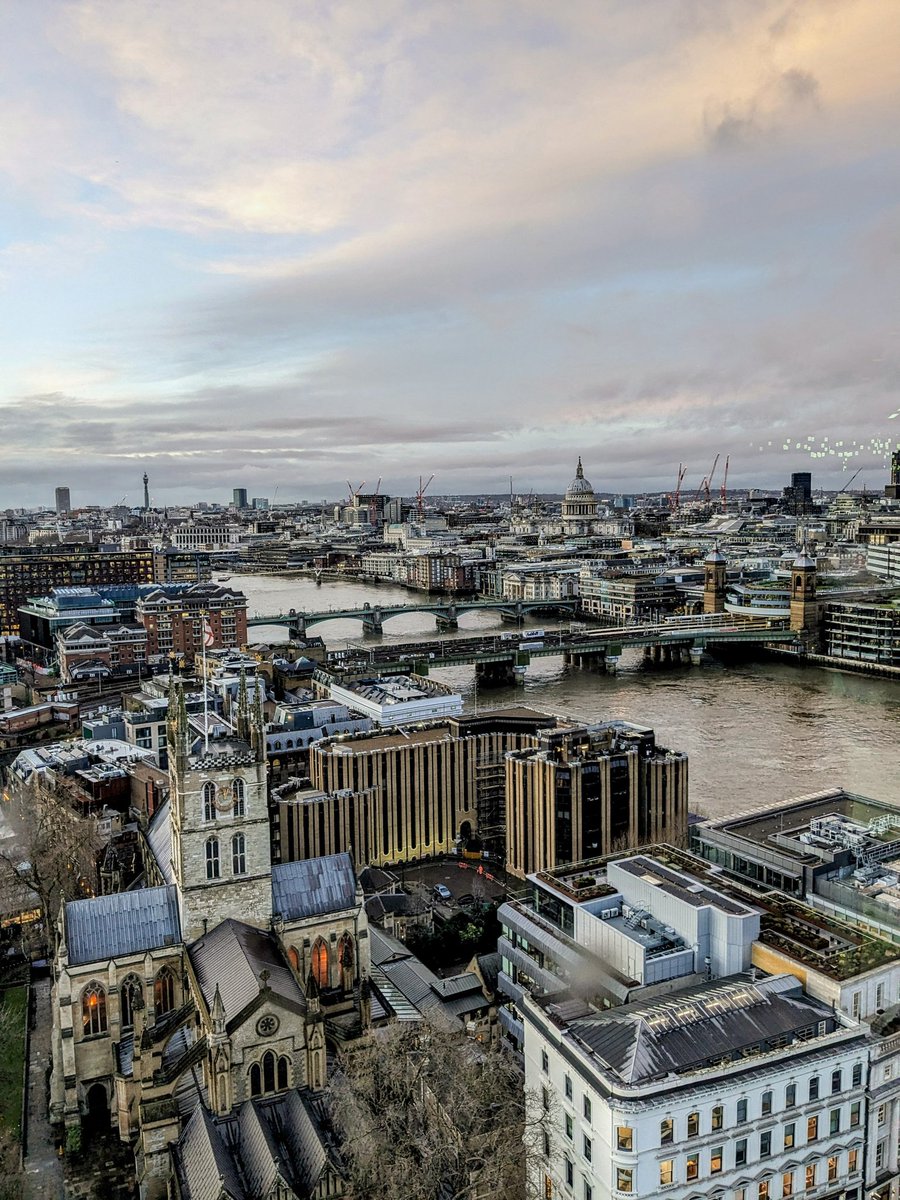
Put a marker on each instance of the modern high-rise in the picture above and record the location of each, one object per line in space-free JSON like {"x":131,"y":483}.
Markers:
{"x":239,"y":498}
{"x":586,"y":792}
{"x":63,"y":500}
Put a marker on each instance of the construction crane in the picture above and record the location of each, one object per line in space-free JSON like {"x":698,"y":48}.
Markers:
{"x":373,"y":504}
{"x":724,"y":489}
{"x":706,"y":482}
{"x":675,"y":499}
{"x":849,"y":481}
{"x":420,"y":495}
{"x":354,"y":494}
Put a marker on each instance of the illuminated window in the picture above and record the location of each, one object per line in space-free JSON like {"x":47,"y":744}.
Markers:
{"x":93,"y":1010}
{"x":624,"y":1179}
{"x":832,"y":1168}
{"x":320,"y":963}
{"x":164,"y":992}
{"x":762,"y":1190}
{"x":624,"y":1138}
{"x":812,"y":1129}
{"x":790,"y":1132}
{"x":667,"y":1171}
{"x":716,"y":1160}
{"x":852,"y":1161}
{"x":787,"y":1183}
{"x":810,"y":1177}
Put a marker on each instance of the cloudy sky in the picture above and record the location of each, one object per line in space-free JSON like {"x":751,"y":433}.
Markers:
{"x":281,"y":245}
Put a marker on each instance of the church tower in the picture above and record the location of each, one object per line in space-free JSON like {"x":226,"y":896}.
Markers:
{"x":219,"y":816}
{"x":804,"y":606}
{"x":714,"y":568}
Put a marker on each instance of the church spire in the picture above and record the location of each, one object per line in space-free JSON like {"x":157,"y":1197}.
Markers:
{"x":243,"y":708}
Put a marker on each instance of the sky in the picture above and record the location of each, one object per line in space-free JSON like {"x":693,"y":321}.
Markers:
{"x":283,"y":246}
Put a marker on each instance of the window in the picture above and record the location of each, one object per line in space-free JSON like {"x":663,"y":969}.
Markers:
{"x":268,"y":1070}
{"x":854,"y":1113}
{"x":570,"y":1173}
{"x":545,"y":1099}
{"x":693,"y":1166}
{"x":587,"y":1108}
{"x":762,"y":1190}
{"x":834,"y":1121}
{"x":852,"y":1161}
{"x":130,"y":997}
{"x":570,"y":1128}
{"x":666,"y":1131}
{"x":588,"y":1191}
{"x":693,"y":1124}
{"x":624,"y":1137}
{"x":624,"y":1179}
{"x":283,"y":1072}
{"x":832,"y":1168}
{"x":209,"y":802}
{"x":810,"y":1177}
{"x":882,"y":1113}
{"x":889,"y":1070}
{"x":814,"y":1088}
{"x":212,"y":858}
{"x":787,"y":1183}
{"x":320,"y":963}
{"x":666,"y":1172}
{"x":836,"y":1082}
{"x":238,"y":855}
{"x":856,"y":1005}
{"x":740,"y":1152}
{"x":237,"y":797}
{"x":765,"y":1144}
{"x":587,"y":1148}
{"x":164,"y":992}
{"x":545,"y":1062}
{"x":568,"y":1087}
{"x":741,"y":1112}
{"x":790,"y":1095}
{"x":766,"y":1104}
{"x":718,"y":1117}
{"x":790,"y":1135}
{"x":716,"y":1156}
{"x":879,"y":1155}
{"x":857,"y":1074}
{"x":548,"y":1188}
{"x":255,"y":1080}
{"x":879,"y":996}
{"x":93,"y":1010}
{"x":812,"y":1129}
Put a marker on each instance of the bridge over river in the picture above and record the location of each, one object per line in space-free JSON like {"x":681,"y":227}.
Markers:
{"x":445,"y":613}
{"x":500,"y":659}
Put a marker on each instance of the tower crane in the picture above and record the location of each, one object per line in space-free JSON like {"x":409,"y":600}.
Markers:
{"x":849,"y":481}
{"x":354,"y":493}
{"x":420,"y":495}
{"x":724,"y":489}
{"x":675,"y":500}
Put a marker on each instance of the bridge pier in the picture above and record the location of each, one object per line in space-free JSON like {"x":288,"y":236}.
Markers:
{"x":495,"y":674}
{"x":696,"y":655}
{"x":447,"y":621}
{"x":373,"y":621}
{"x":593,"y":660}
{"x":612,"y":664}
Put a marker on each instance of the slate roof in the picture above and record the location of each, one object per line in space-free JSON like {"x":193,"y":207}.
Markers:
{"x":234,"y":955}
{"x":124,"y":923}
{"x":159,"y":839}
{"x":489,"y":965}
{"x":679,"y":1033}
{"x":409,"y":988}
{"x":303,"y":1141}
{"x":205,"y":1162}
{"x":314,"y":887}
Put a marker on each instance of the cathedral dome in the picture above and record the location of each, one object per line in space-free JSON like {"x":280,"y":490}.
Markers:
{"x":579,"y":487}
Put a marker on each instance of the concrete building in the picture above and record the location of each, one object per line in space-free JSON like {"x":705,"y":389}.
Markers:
{"x":63,"y":501}
{"x":580,"y":793}
{"x":863,"y":632}
{"x":398,"y":699}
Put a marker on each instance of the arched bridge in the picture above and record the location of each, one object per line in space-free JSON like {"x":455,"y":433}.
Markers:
{"x":446,"y":613}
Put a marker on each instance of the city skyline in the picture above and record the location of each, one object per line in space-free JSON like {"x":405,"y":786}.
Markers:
{"x":396,"y":239}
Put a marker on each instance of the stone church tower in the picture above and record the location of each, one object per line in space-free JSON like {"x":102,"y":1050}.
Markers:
{"x":804,"y":605}
{"x":221,"y":852}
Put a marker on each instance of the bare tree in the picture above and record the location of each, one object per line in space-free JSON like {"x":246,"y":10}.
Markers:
{"x":427,"y":1114}
{"x":53,"y":853}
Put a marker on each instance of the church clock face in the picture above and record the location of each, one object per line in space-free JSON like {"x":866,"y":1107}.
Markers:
{"x":267,"y":1026}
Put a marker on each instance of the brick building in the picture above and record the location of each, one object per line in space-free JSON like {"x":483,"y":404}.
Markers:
{"x":174,"y":618}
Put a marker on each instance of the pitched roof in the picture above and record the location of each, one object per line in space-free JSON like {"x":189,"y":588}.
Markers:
{"x":303,"y":1140}
{"x":205,"y":1162}
{"x":159,"y":839}
{"x":233,"y":956}
{"x":314,"y":887}
{"x":124,"y":923}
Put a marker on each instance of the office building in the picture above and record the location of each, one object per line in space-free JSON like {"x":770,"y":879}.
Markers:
{"x":581,"y":793}
{"x":239,"y":498}
{"x":398,"y":699}
{"x":63,"y":500}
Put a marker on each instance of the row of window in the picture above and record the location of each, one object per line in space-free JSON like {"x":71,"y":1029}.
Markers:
{"x":272,"y":1075}
{"x":320,"y":961}
{"x":94,"y":1016}
{"x":238,"y":857}
{"x":791,"y":1183}
{"x":233,"y":798}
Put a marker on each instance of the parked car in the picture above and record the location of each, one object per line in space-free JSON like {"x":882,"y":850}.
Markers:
{"x":441,"y":892}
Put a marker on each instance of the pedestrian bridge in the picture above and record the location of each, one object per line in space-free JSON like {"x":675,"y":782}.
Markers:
{"x":446,"y":613}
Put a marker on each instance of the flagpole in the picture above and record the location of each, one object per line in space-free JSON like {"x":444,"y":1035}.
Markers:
{"x":205,"y":692}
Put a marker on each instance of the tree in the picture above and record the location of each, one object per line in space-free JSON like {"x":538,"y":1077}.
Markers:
{"x":53,"y":853}
{"x":427,"y":1114}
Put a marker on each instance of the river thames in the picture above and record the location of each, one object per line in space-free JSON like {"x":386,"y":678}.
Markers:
{"x":754,"y":732}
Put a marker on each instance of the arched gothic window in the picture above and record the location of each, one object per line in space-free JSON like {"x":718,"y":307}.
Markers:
{"x":268,"y":1071}
{"x":255,"y":1080}
{"x":345,"y":958}
{"x":209,"y":802}
{"x":237,"y":796}
{"x":212,"y":858}
{"x":93,"y":1009}
{"x":294,"y":958}
{"x":238,"y":855}
{"x":320,"y":963}
{"x":282,"y":1074}
{"x":164,"y":992}
{"x":129,"y":992}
